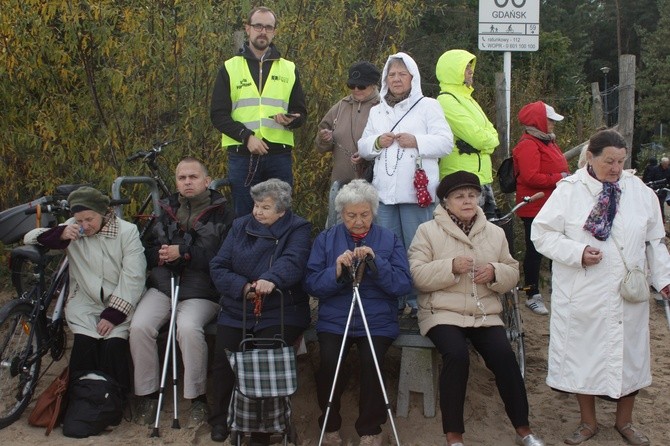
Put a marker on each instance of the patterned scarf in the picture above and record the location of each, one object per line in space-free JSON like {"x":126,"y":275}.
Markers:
{"x":600,"y":220}
{"x":465,"y":226}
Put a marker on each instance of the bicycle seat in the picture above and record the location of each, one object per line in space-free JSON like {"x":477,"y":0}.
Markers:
{"x":34,"y":253}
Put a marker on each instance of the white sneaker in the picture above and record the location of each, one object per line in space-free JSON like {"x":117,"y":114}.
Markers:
{"x":536,"y":304}
{"x":371,"y":440}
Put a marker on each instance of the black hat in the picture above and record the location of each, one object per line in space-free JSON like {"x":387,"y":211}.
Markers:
{"x":363,"y":73}
{"x":457,"y":180}
{"x":88,"y":198}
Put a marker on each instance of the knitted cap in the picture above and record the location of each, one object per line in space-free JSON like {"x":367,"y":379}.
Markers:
{"x":457,"y":180}
{"x":88,"y":198}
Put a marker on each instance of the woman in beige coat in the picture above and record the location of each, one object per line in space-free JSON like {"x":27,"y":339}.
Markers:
{"x":460,"y":263}
{"x":107,"y":275}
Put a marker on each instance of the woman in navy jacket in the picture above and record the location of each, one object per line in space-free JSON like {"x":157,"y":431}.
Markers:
{"x":264,"y":251}
{"x":328,"y":278}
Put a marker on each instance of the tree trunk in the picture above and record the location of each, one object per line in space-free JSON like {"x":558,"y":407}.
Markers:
{"x":597,"y":105}
{"x":627,"y":101}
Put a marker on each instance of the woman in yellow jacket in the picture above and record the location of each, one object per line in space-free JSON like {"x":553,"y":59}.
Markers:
{"x":475,"y":138}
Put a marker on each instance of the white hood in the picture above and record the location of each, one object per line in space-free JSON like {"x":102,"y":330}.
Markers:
{"x":413,"y":69}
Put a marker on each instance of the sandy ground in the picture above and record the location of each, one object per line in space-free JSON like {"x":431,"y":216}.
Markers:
{"x":552,"y":415}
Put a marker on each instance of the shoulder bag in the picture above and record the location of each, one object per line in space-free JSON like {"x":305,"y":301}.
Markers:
{"x":634,"y":286}
{"x":49,"y":405}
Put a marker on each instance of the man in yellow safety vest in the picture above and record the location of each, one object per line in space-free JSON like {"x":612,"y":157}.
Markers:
{"x":257,"y":101}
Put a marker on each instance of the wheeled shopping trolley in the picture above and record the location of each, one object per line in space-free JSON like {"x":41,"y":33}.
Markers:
{"x":265,"y":378}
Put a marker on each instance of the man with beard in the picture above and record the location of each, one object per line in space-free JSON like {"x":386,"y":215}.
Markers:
{"x":257,"y":101}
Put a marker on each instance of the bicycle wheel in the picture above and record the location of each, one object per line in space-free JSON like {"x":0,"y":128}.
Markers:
{"x":514,"y":327}
{"x":19,"y":364}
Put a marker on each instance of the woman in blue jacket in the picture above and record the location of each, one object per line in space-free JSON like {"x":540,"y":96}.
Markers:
{"x":328,"y":278}
{"x":264,"y":251}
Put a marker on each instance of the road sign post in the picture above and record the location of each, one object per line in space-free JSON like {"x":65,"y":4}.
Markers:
{"x":509,"y":25}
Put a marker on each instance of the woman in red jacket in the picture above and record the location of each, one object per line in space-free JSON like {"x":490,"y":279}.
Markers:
{"x":539,"y":164}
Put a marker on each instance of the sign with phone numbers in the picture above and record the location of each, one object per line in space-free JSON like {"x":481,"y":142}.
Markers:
{"x":509,"y":25}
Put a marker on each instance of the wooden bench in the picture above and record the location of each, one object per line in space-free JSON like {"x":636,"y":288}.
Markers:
{"x":418,"y":365}
{"x":418,"y":368}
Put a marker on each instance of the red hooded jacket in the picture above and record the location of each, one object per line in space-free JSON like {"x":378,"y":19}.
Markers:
{"x":537,"y":163}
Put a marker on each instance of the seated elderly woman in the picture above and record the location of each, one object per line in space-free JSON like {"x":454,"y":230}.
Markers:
{"x":460,"y":263}
{"x":107,"y":275}
{"x":263,"y":251}
{"x":328,"y":278}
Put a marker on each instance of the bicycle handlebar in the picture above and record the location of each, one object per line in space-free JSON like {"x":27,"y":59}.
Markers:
{"x":62,"y":206}
{"x":151,"y":153}
{"x":524,"y":201}
{"x":657,"y":183}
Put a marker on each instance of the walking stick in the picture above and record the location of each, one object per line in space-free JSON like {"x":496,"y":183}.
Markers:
{"x":357,"y":271}
{"x":170,"y":349}
{"x":666,"y":304}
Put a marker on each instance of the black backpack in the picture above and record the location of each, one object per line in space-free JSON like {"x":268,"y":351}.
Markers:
{"x":506,"y":176}
{"x":95,"y":401}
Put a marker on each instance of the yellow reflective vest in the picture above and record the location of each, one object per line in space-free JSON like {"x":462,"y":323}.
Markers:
{"x":254,"y":110}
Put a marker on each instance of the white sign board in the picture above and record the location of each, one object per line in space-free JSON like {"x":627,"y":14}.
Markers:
{"x":509,"y":25}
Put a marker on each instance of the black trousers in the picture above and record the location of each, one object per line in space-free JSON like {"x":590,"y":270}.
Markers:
{"x":111,"y":356}
{"x":371,"y":406}
{"x":532,"y":261}
{"x":492,"y":344}
{"x":223,"y":377}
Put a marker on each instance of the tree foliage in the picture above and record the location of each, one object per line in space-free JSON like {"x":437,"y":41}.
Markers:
{"x":84,"y":84}
{"x":654,"y":77}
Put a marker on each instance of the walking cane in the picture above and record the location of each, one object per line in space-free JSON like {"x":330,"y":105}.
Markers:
{"x":357,"y":271}
{"x":170,"y":348}
{"x":666,"y":304}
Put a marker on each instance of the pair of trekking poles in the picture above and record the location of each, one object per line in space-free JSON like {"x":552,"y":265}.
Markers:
{"x":357,"y":270}
{"x":170,"y":353}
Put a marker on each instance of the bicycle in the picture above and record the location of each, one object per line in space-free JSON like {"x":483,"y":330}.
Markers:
{"x":32,"y":325}
{"x":511,"y":315}
{"x":160,"y":185}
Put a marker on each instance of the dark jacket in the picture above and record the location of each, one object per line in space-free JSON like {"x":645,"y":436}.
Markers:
{"x":379,"y":290}
{"x":197,"y":245}
{"x":221,"y":106}
{"x":277,"y":253}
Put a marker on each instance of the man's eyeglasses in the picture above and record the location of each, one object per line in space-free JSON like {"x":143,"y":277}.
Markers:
{"x":357,"y":87}
{"x":259,"y":27}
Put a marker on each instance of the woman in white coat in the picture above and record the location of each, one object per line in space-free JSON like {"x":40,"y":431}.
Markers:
{"x":599,"y":342}
{"x":404,"y":126}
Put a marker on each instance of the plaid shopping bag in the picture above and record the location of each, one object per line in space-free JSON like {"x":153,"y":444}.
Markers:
{"x":264,"y":381}
{"x":259,"y":414}
{"x":264,"y":373}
